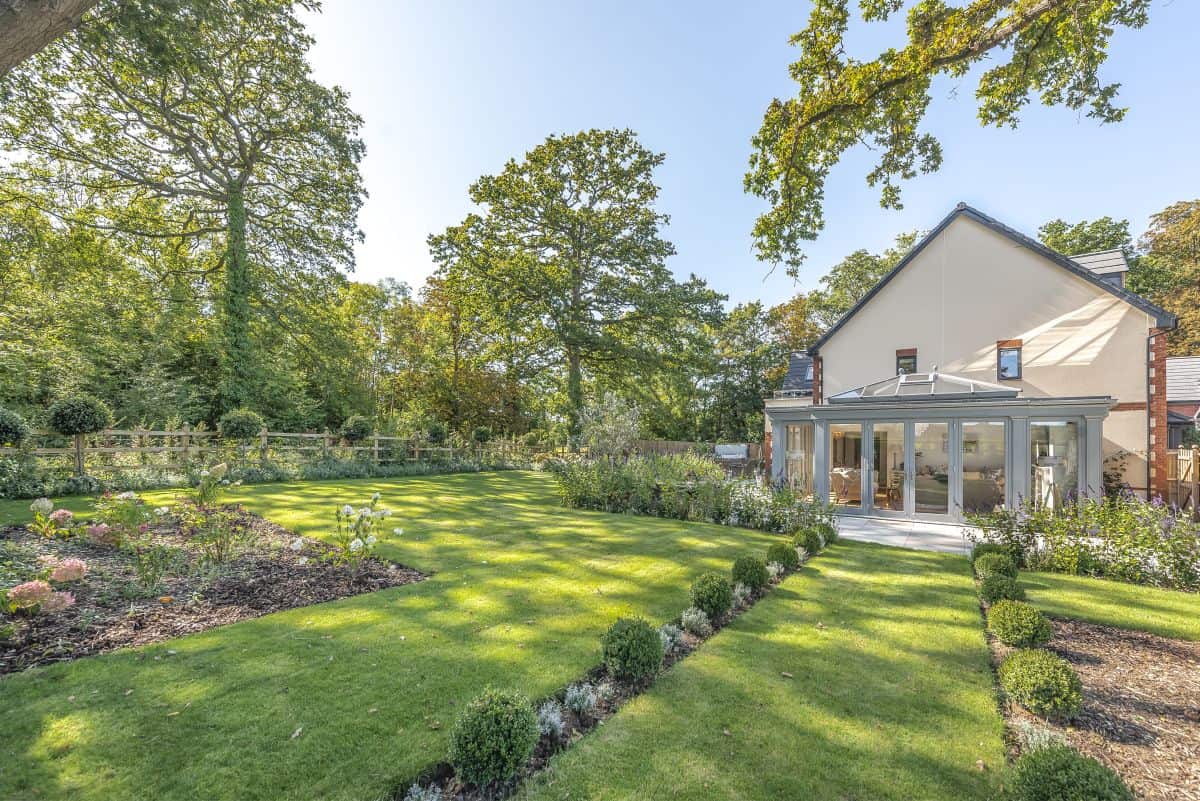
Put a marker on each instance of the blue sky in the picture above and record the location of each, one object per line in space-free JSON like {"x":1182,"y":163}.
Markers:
{"x":450,"y":90}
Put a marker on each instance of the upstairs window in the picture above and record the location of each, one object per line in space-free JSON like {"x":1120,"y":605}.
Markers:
{"x":1008,"y":360}
{"x":906,"y":361}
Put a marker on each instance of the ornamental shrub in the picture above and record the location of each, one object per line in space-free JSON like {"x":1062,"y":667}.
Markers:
{"x":81,"y":414}
{"x":581,"y":699}
{"x":436,"y":432}
{"x":1019,"y":624}
{"x":827,"y":532}
{"x":550,"y":720}
{"x":241,"y":425}
{"x":983,"y":548}
{"x":356,"y":428}
{"x":13,"y":428}
{"x":493,"y":737}
{"x":809,"y":539}
{"x":481,"y":434}
{"x":784,"y":554}
{"x":671,"y":636}
{"x":997,"y":587}
{"x":1060,"y":773}
{"x":1043,"y":683}
{"x":751,"y":571}
{"x":633,"y":650}
{"x":712,"y":594}
{"x":695,"y":621}
{"x":995,"y":564}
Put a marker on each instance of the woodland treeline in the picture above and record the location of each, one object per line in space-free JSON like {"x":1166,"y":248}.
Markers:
{"x":178,"y":212}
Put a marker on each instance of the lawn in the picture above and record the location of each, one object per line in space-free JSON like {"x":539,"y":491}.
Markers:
{"x":347,"y":699}
{"x":891,"y":697}
{"x":1168,"y":613}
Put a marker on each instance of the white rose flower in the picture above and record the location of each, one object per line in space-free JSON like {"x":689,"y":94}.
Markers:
{"x":347,"y":510}
{"x":297,"y":544}
{"x":371,"y":540}
{"x":42,"y":506}
{"x":356,"y":545}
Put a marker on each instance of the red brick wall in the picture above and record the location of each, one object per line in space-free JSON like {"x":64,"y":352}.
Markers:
{"x":767,"y":447}
{"x":1158,"y":412}
{"x":818,"y":392}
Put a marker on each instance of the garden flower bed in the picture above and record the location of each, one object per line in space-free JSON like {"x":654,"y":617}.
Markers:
{"x":114,"y":604}
{"x":1141,"y":706}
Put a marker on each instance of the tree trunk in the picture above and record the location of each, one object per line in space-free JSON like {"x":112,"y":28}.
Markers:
{"x":574,"y":395}
{"x":237,"y":357}
{"x":26,"y":26}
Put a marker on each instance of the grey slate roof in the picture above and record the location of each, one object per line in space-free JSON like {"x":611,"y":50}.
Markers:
{"x":1103,"y":262}
{"x":799,"y":378}
{"x":1183,"y":378}
{"x":1162,"y":318}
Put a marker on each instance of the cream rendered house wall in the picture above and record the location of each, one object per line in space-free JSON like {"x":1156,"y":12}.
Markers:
{"x":971,"y":287}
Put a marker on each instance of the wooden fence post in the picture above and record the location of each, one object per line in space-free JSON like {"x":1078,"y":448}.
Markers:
{"x":375,"y":447}
{"x":1195,"y":483}
{"x":262,"y":445}
{"x":185,"y":442}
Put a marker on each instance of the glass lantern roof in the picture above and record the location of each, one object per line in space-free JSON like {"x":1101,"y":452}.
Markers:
{"x":925,"y":387}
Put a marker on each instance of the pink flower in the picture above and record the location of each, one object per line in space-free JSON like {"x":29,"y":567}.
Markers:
{"x":30,"y":594}
{"x":69,"y":570}
{"x":61,"y":516}
{"x":58,"y":602}
{"x":102,"y":534}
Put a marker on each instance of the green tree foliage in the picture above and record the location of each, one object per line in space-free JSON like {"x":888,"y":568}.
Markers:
{"x":207,"y":112}
{"x":1171,"y":247}
{"x":1049,"y":49}
{"x":1073,"y":239}
{"x":567,"y":250}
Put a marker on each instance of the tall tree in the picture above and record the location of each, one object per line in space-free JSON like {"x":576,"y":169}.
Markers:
{"x":569,"y":240}
{"x":1073,"y":239}
{"x":26,"y":26}
{"x":1051,"y":49}
{"x":212,"y":112}
{"x":1172,"y":247}
{"x":849,"y":281}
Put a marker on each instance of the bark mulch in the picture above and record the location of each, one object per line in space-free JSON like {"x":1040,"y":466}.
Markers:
{"x":1141,"y":706}
{"x":112,"y":610}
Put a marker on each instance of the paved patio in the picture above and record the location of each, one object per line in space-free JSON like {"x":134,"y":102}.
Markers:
{"x":918,"y":534}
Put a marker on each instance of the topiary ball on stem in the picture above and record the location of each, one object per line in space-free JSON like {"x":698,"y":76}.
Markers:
{"x":13,"y":428}
{"x":493,"y":737}
{"x":633,"y":649}
{"x":356,"y":428}
{"x":80,"y":414}
{"x":1043,"y":683}
{"x":751,"y":571}
{"x":713,"y":594}
{"x":241,"y":425}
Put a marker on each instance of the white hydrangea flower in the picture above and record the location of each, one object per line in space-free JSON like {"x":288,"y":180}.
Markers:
{"x":387,"y":512}
{"x":162,"y":511}
{"x":364,"y":512}
{"x":297,"y":544}
{"x":356,"y":545}
{"x":398,"y":532}
{"x":42,"y":506}
{"x":376,"y":497}
{"x":371,"y":540}
{"x":347,"y":510}
{"x":127,"y":496}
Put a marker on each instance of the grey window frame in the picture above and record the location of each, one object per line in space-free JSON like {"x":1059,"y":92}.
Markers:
{"x":912,"y":356}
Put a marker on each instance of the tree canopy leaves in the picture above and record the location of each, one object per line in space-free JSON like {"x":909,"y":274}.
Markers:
{"x":1049,"y":49}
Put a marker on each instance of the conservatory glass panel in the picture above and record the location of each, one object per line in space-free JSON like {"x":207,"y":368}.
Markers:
{"x":887,"y":467}
{"x":799,"y":453}
{"x":983,"y":466}
{"x":845,"y":464}
{"x":931,"y":462}
{"x":1054,"y":461}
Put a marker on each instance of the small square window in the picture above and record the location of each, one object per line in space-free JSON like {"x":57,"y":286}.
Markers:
{"x":906,"y":365}
{"x":1008,"y":364}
